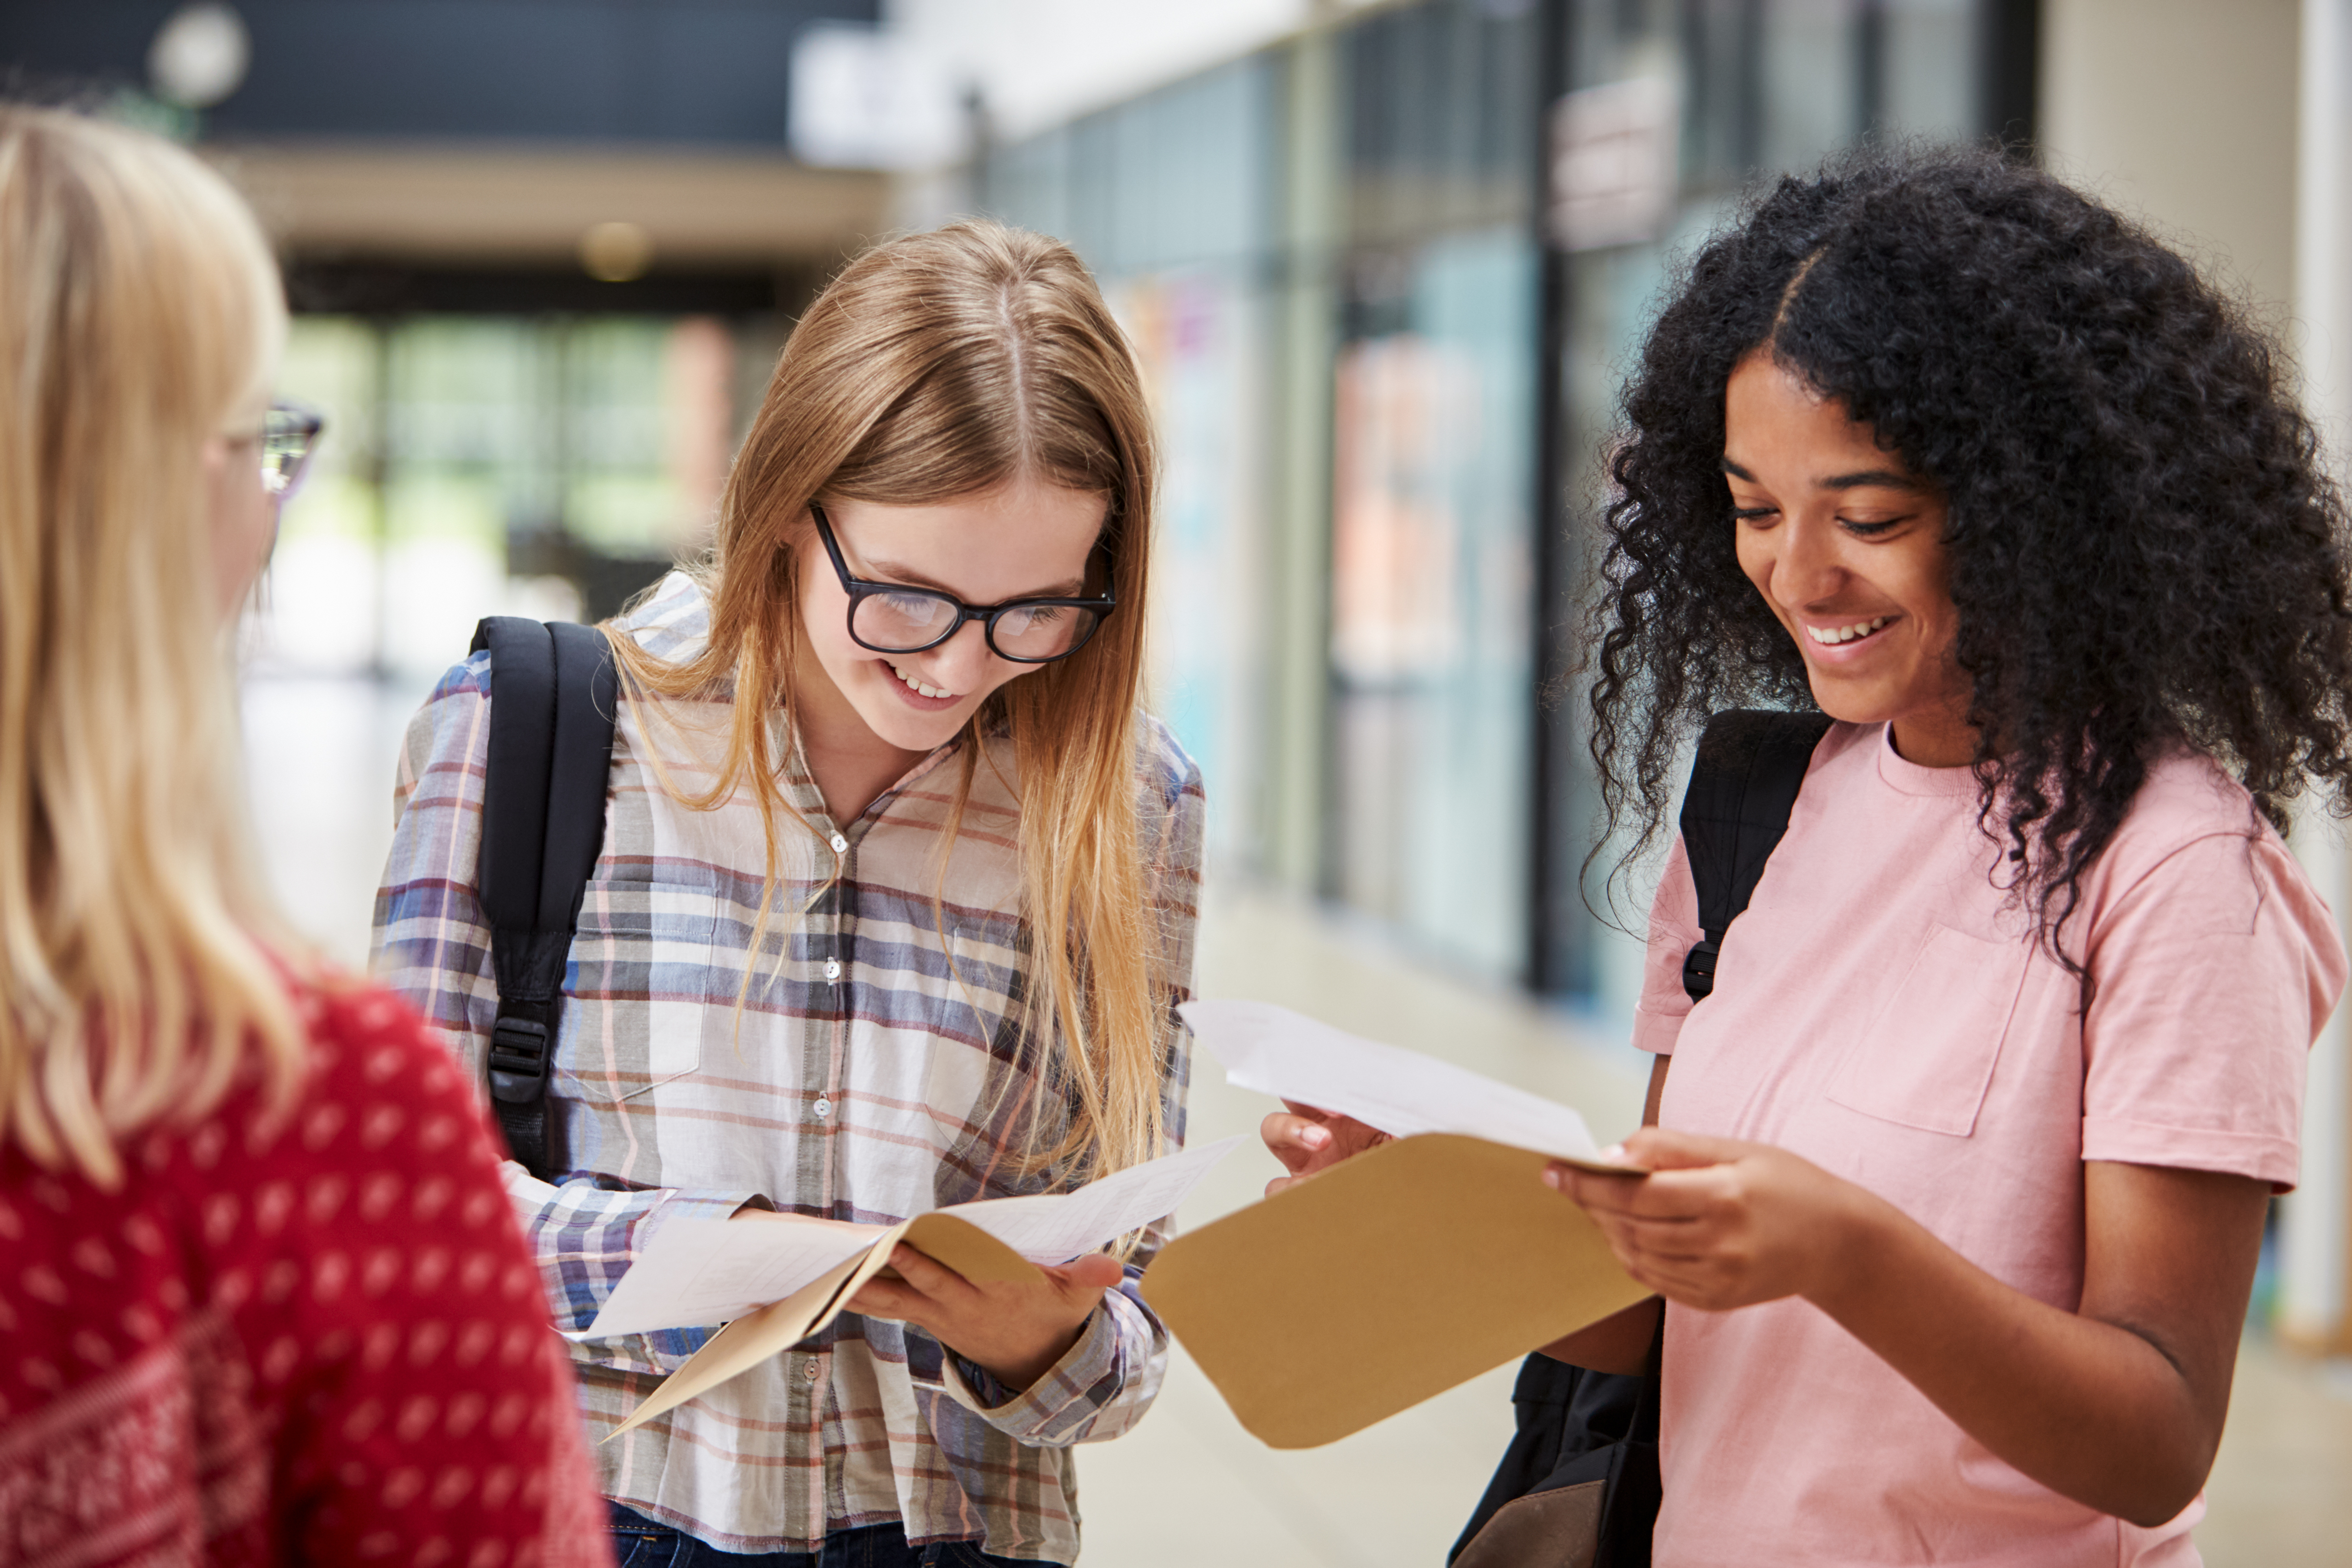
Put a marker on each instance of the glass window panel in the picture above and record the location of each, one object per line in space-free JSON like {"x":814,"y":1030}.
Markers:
{"x":1200,"y":336}
{"x":1194,"y":165}
{"x":1441,"y":119}
{"x":1811,"y":61}
{"x":1718,"y":50}
{"x":1029,"y":184}
{"x":1431,"y":593}
{"x":1931,"y":87}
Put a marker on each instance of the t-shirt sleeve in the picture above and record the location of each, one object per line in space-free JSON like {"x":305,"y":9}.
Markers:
{"x":2214,"y":972}
{"x":1673,"y":931}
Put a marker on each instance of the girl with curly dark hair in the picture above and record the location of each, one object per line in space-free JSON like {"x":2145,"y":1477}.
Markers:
{"x":1957,"y":1191}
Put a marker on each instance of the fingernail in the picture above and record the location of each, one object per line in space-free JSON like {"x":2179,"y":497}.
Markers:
{"x":1555,"y":1178}
{"x":1614,"y":1155}
{"x":1314,"y":1137}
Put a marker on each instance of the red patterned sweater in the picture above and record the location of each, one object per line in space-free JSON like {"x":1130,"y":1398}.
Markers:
{"x":316,"y":1338}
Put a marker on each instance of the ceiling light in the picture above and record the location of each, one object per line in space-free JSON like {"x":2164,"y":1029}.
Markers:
{"x":617,"y":251}
{"x":199,"y":56}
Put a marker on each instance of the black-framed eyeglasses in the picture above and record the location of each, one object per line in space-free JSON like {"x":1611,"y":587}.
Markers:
{"x":289,"y":433}
{"x":889,"y":618}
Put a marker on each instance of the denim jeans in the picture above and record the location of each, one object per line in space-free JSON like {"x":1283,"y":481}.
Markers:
{"x":642,"y":1542}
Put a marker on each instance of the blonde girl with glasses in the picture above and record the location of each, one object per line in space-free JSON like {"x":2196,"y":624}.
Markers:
{"x":895,"y":903}
{"x":260,"y":1295}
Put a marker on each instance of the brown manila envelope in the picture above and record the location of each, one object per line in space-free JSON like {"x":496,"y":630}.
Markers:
{"x":1400,"y":1273}
{"x":775,"y":1282}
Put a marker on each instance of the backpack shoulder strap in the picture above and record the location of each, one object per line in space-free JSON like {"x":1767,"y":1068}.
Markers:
{"x":1578,"y":1427}
{"x":1751,"y":763}
{"x":552,"y":695}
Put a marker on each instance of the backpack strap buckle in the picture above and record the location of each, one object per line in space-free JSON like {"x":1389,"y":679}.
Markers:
{"x":1698,"y":967}
{"x":517,"y":1058}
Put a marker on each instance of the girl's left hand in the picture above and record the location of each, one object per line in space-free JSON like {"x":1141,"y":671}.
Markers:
{"x":1015,"y":1331}
{"x":1719,"y":1223}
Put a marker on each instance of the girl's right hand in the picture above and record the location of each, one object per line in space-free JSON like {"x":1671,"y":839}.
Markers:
{"x":1310,"y":1142}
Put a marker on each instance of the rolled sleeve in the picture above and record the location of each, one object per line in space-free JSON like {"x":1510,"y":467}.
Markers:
{"x":1663,"y":1005}
{"x":586,"y":1234}
{"x":1099,"y":1388}
{"x":2214,"y":972}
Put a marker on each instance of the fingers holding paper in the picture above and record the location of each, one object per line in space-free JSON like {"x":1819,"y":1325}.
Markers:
{"x":1308,"y":1142}
{"x":1717,"y":1223}
{"x":1016,"y":1330}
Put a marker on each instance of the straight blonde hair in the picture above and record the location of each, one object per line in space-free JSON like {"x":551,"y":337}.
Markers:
{"x":140,"y":309}
{"x":939,"y":366}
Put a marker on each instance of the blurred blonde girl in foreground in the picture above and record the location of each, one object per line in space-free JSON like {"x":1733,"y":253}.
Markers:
{"x":261,"y":1297}
{"x":895,"y":902}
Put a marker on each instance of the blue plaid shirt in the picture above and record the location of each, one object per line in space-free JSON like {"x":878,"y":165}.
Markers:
{"x":873,"y":1073}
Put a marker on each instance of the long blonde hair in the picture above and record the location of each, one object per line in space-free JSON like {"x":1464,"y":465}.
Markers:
{"x":140,"y":309}
{"x":934,"y":366}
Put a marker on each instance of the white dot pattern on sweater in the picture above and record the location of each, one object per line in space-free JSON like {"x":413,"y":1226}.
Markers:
{"x":335,"y":1300}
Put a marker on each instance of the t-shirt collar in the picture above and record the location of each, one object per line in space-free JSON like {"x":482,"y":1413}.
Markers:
{"x":1910,"y":778}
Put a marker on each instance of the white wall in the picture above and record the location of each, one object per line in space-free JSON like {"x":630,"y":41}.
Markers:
{"x":2318,"y":1219}
{"x":2183,"y":112}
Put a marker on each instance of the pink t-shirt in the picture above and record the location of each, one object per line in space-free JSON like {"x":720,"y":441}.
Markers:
{"x":1877,"y":1011}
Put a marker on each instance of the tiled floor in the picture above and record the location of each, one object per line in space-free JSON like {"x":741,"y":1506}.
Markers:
{"x":1189,"y":1486}
{"x":2281,"y":1496}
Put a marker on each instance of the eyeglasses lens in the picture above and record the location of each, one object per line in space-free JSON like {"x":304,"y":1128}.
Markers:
{"x":901,"y":623}
{"x":1045,"y":631}
{"x":288,"y":436}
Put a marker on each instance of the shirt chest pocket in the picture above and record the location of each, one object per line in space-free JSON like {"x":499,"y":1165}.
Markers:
{"x":1928,"y":1058}
{"x":640,"y":987}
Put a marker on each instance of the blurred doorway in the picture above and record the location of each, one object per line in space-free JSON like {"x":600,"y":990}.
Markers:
{"x":544,"y":462}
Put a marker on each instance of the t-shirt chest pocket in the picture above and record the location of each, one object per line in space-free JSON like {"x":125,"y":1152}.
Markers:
{"x":641,"y":984}
{"x":1928,"y":1058}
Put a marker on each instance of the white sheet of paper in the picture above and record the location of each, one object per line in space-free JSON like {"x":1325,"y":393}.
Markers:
{"x":701,"y":1273}
{"x":1276,"y":1051}
{"x":1053,"y":1227}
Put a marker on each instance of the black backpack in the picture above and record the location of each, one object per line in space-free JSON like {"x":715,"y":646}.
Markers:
{"x":553,"y":694}
{"x":1578,"y":1487}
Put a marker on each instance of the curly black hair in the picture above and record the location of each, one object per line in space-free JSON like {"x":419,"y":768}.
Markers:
{"x":2144,"y":548}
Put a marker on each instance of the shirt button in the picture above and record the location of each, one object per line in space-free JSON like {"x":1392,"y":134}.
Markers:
{"x":832,"y":969}
{"x":808,"y":1370}
{"x":840,"y":844}
{"x":824,"y":1108}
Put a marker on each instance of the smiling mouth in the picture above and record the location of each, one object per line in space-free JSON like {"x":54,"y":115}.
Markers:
{"x":1832,"y":637}
{"x":920,"y":688}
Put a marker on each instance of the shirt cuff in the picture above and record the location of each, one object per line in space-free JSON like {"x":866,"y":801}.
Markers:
{"x":695,"y":1203}
{"x":590,"y":1277}
{"x":1657,"y":1032}
{"x":2261,"y":1156}
{"x":1043,"y":1414}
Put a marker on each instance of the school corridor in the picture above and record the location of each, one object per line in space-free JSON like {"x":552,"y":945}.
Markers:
{"x":1190,"y":1486}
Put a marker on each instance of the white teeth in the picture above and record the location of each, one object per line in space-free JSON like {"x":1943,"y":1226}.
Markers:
{"x":1846,"y":634}
{"x":920,"y":688}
